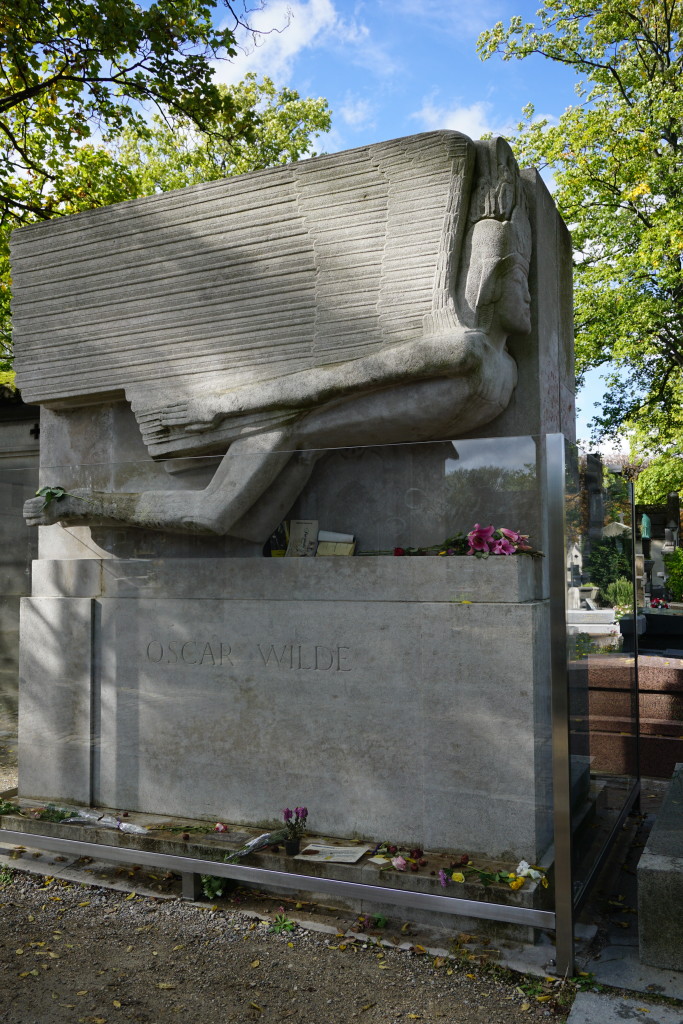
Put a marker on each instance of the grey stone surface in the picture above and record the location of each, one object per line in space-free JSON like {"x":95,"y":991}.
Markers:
{"x":410,"y":579}
{"x":599,"y":1008}
{"x":373,"y":298}
{"x":56,"y":724}
{"x":620,"y":967}
{"x":660,"y":884}
{"x":438,"y":277}
{"x":380,"y":707}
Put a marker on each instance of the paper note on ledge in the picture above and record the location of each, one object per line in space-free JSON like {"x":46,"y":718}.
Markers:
{"x":318,"y":853}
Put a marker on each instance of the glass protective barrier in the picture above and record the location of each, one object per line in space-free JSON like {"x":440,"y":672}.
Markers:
{"x":346,"y":693}
{"x":601,"y":638}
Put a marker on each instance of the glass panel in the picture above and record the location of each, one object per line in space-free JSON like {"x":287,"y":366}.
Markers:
{"x":18,"y":546}
{"x":181,"y":688}
{"x":603,"y":690}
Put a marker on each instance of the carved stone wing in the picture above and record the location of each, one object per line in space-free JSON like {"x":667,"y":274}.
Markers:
{"x":173,"y":296}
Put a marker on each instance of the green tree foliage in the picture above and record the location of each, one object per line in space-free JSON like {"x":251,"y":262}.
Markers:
{"x":617,"y":160}
{"x":174,"y":154}
{"x":674,"y":574}
{"x":69,"y":68}
{"x":609,"y":560}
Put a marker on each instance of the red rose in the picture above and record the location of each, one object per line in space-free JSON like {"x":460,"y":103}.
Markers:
{"x":399,"y":551}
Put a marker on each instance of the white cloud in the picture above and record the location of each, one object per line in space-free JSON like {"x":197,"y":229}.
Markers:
{"x":358,"y":113}
{"x":474,"y":120}
{"x":290,"y":28}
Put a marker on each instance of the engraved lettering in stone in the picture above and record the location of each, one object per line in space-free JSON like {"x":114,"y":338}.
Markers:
{"x":186,"y":657}
{"x":152,"y":649}
{"x":272,"y":654}
{"x":189,"y":652}
{"x":342,"y":654}
{"x":303,"y":660}
{"x":305,"y":657}
{"x":321,"y":655}
{"x":206,"y":654}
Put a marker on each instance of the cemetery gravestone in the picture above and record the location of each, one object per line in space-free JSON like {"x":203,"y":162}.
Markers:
{"x":412,"y":291}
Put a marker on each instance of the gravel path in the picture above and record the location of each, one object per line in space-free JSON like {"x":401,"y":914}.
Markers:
{"x":77,"y":954}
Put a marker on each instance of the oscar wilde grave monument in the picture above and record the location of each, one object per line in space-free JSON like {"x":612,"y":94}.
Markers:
{"x":298,"y":343}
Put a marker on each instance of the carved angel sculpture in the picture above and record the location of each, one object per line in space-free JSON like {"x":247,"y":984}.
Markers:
{"x":364,"y":298}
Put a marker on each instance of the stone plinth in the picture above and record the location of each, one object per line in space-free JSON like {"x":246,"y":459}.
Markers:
{"x":660,"y":884}
{"x":401,"y":698}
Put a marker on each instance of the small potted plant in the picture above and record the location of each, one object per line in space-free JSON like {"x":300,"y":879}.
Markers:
{"x":295,"y":823}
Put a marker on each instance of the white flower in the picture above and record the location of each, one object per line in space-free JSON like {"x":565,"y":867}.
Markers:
{"x":522,"y":868}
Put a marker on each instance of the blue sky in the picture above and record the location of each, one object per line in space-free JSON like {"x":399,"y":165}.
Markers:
{"x":394,"y":67}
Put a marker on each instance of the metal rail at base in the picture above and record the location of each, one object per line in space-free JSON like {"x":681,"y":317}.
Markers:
{"x":285,"y":880}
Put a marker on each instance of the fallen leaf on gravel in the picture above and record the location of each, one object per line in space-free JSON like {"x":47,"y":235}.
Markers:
{"x":131,"y":895}
{"x":85,"y":903}
{"x":181,"y":946}
{"x":54,"y":956}
{"x":83,"y":992}
{"x":383,"y":967}
{"x":165,"y":984}
{"x":116,"y":1003}
{"x":543,"y":999}
{"x":19,"y":952}
{"x":470,"y":975}
{"x":255,"y":963}
{"x":418,"y":948}
{"x":368,"y":1006}
{"x":525,"y":1006}
{"x":129,"y":949}
{"x":257,"y":1007}
{"x":439,"y":961}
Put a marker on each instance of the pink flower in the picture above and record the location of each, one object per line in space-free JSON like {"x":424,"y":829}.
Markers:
{"x":504,"y":547}
{"x":287,"y":814}
{"x":220,"y":827}
{"x":479,"y":537}
{"x":399,"y":551}
{"x":443,"y":878}
{"x":511,"y":535}
{"x":400,"y":863}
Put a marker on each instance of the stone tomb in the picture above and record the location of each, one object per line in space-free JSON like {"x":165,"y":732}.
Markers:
{"x":395,"y":697}
{"x":205,"y":350}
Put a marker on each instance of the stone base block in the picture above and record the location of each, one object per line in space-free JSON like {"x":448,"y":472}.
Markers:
{"x":401,"y":699}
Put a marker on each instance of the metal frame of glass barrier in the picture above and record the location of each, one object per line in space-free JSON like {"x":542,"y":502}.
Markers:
{"x":561,"y":920}
{"x":570,"y":894}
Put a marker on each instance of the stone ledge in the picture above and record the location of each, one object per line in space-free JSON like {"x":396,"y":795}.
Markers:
{"x":516,"y":579}
{"x":213,"y":847}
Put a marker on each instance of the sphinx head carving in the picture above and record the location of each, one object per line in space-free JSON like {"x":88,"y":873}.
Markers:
{"x":494,"y":290}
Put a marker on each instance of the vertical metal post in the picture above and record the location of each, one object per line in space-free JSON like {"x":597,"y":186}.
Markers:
{"x":555,"y":486}
{"x":636,"y":681}
{"x":192,"y":886}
